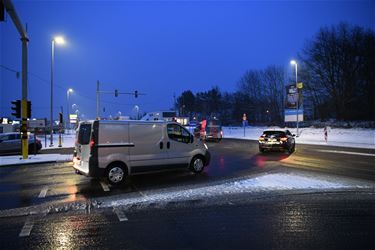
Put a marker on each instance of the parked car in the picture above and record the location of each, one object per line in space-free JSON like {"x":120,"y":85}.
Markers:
{"x":209,"y":130}
{"x":115,"y":149}
{"x":11,"y":143}
{"x":281,"y":140}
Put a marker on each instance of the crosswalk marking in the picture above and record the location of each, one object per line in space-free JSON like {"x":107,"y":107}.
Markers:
{"x":26,"y":229}
{"x":43,"y":193}
{"x":120,"y":214}
{"x":104,"y":186}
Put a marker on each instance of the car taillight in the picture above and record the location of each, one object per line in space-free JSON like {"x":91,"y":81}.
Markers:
{"x":283,"y":138}
{"x":92,"y":143}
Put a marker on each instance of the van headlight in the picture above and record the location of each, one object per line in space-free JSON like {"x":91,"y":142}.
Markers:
{"x":205,"y":146}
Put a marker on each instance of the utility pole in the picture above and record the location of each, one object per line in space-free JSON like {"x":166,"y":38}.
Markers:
{"x":97,"y":100}
{"x":9,"y":7}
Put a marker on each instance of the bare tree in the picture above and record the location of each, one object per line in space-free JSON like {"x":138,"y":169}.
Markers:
{"x":338,"y":61}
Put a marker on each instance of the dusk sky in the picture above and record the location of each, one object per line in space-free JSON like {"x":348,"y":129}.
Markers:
{"x":158,"y":48}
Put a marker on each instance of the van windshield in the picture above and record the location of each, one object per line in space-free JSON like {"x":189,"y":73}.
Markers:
{"x":84,"y":134}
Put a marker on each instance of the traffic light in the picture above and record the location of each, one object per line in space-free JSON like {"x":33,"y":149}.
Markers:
{"x":28,"y":109}
{"x":16,"y":107}
{"x":136,"y":94}
{"x":61,"y":118}
{"x":116,"y":93}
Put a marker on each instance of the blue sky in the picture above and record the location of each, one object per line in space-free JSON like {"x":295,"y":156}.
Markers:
{"x":158,"y":48}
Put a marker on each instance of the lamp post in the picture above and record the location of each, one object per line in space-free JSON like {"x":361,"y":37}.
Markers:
{"x":293,"y":62}
{"x":57,"y":40}
{"x":67,"y":108}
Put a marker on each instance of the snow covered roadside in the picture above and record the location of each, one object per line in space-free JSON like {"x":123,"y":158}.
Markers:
{"x":67,"y":141}
{"x":268,"y":182}
{"x":40,"y":158}
{"x":214,"y":193}
{"x":354,"y":137}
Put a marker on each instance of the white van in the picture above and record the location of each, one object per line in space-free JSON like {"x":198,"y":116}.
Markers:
{"x":116,"y":149}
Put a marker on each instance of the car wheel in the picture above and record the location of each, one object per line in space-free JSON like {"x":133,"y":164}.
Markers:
{"x":261,"y":150}
{"x":197,"y":164}
{"x":116,"y":174}
{"x":291,"y":149}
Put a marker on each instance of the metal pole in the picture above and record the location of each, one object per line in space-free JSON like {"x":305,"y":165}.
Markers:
{"x":51,"y":114}
{"x":67,"y":122}
{"x":97,"y":100}
{"x":17,"y":22}
{"x":297,"y":99}
{"x":25,"y":144}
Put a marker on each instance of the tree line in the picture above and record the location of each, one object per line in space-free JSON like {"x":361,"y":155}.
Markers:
{"x":337,"y":68}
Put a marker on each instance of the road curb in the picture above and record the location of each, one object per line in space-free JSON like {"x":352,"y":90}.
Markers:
{"x":33,"y":163}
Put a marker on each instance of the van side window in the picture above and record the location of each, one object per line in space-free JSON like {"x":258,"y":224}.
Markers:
{"x":178,"y":133}
{"x":84,"y":134}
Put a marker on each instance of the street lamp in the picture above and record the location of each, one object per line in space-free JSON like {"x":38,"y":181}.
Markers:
{"x":67,"y":107}
{"x":293,"y":62}
{"x":57,"y":40}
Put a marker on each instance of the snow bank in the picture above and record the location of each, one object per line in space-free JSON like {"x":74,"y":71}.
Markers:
{"x":266,"y":182}
{"x":42,"y":158}
{"x":354,"y":137}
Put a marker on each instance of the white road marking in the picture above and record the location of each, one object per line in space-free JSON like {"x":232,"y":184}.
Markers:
{"x":120,"y":214}
{"x":104,"y":186}
{"x":26,"y":230}
{"x":43,"y":193}
{"x":344,"y":152}
{"x":139,"y":191}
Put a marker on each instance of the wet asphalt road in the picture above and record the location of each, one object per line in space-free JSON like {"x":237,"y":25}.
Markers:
{"x":21,"y":185}
{"x":305,"y":221}
{"x":330,"y":221}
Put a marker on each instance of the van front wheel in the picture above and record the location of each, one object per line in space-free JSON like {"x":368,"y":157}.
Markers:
{"x":116,"y":174}
{"x":197,"y":164}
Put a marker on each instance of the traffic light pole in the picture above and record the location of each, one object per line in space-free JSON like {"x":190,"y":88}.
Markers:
{"x":25,"y":40}
{"x":116,"y":92}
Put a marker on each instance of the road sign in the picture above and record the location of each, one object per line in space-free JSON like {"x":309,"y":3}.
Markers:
{"x":37,"y":123}
{"x":291,"y":115}
{"x":73,"y":118}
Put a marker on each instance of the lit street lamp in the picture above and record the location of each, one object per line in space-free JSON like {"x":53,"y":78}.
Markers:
{"x":293,"y":62}
{"x":67,"y":123}
{"x":57,"y":40}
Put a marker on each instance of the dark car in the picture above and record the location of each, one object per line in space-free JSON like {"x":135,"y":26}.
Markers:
{"x":280,"y":140}
{"x":11,"y":143}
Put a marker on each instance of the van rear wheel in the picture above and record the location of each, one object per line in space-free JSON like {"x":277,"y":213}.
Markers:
{"x":197,"y":164}
{"x":116,"y":174}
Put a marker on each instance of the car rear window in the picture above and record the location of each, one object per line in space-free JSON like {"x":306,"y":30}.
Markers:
{"x":276,"y":133}
{"x":84,"y":134}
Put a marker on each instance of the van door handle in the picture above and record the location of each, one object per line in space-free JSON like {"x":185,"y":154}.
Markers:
{"x":168,"y":145}
{"x":161,"y":145}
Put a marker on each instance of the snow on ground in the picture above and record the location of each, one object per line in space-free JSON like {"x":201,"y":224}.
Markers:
{"x":353,"y":137}
{"x":40,"y":158}
{"x":265,"y":182}
{"x":67,"y":140}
